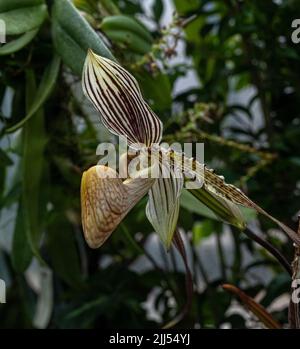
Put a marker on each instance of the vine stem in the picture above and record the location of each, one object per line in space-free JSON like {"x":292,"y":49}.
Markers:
{"x":178,"y":243}
{"x":270,"y":248}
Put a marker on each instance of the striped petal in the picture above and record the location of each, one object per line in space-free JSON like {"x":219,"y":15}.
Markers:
{"x":116,"y":95}
{"x":106,"y":200}
{"x":226,"y":210}
{"x":163,"y":206}
{"x":217,"y":186}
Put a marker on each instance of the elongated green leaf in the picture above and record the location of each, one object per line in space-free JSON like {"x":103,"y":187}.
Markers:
{"x":2,"y":182}
{"x":11,"y":197}
{"x":34,"y":140}
{"x":73,"y":36}
{"x":130,"y":40}
{"x":5,"y":160}
{"x":99,"y":303}
{"x":128,"y":31}
{"x":21,"y":251}
{"x":42,"y":93}
{"x":126,"y":24}
{"x":193,"y":204}
{"x":22,"y":19}
{"x":18,"y":43}
{"x":9,"y":5}
{"x":62,"y":249}
{"x":162,"y":96}
{"x":217,"y":186}
{"x":219,"y":207}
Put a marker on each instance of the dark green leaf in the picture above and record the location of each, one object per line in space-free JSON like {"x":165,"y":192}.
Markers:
{"x":34,"y":140}
{"x":18,"y":44}
{"x":73,"y":36}
{"x":47,"y":83}
{"x":21,"y":17}
{"x":63,"y":252}
{"x":21,"y":251}
{"x":158,"y":8}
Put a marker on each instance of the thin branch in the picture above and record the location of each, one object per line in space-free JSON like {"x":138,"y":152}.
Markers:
{"x":178,"y":243}
{"x":270,"y":248}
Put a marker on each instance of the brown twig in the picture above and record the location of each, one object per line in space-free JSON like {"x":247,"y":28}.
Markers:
{"x":270,"y":248}
{"x":257,"y":309}
{"x":178,"y":243}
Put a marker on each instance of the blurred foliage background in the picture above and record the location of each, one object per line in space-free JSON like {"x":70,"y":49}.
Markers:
{"x":225,"y":73}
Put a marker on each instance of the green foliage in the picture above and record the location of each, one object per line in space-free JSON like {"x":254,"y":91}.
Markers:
{"x":44,"y":89}
{"x":72,"y":36}
{"x":18,"y":43}
{"x":34,"y":141}
{"x":22,"y":16}
{"x":48,"y":137}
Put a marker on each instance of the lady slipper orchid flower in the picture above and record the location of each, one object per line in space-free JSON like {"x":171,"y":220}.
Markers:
{"x":106,"y":198}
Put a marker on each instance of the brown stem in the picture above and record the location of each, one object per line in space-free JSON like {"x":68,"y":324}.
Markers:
{"x":270,"y":248}
{"x":178,"y":243}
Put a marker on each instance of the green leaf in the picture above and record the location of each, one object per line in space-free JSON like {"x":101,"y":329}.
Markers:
{"x":20,"y":17}
{"x":107,"y":6}
{"x":100,"y":303}
{"x":202,"y":230}
{"x":128,"y":24}
{"x":222,"y":208}
{"x":161,"y":97}
{"x":130,"y":40}
{"x":62,"y":249}
{"x":5,"y":160}
{"x":21,"y":251}
{"x":18,"y":43}
{"x":217,"y":189}
{"x":73,"y":36}
{"x":158,"y":8}
{"x":202,"y":203}
{"x":192,"y":204}
{"x":42,"y":93}
{"x":248,"y":213}
{"x":11,"y":197}
{"x":2,"y":182}
{"x":9,"y":5}
{"x":34,"y":140}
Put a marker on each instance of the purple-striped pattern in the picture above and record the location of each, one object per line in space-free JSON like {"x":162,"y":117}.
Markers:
{"x":163,"y":206}
{"x":116,"y":95}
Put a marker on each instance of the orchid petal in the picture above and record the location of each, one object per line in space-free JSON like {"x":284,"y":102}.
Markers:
{"x":217,"y":186}
{"x":163,"y":206}
{"x":116,"y":95}
{"x":226,"y":210}
{"x":106,"y":200}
